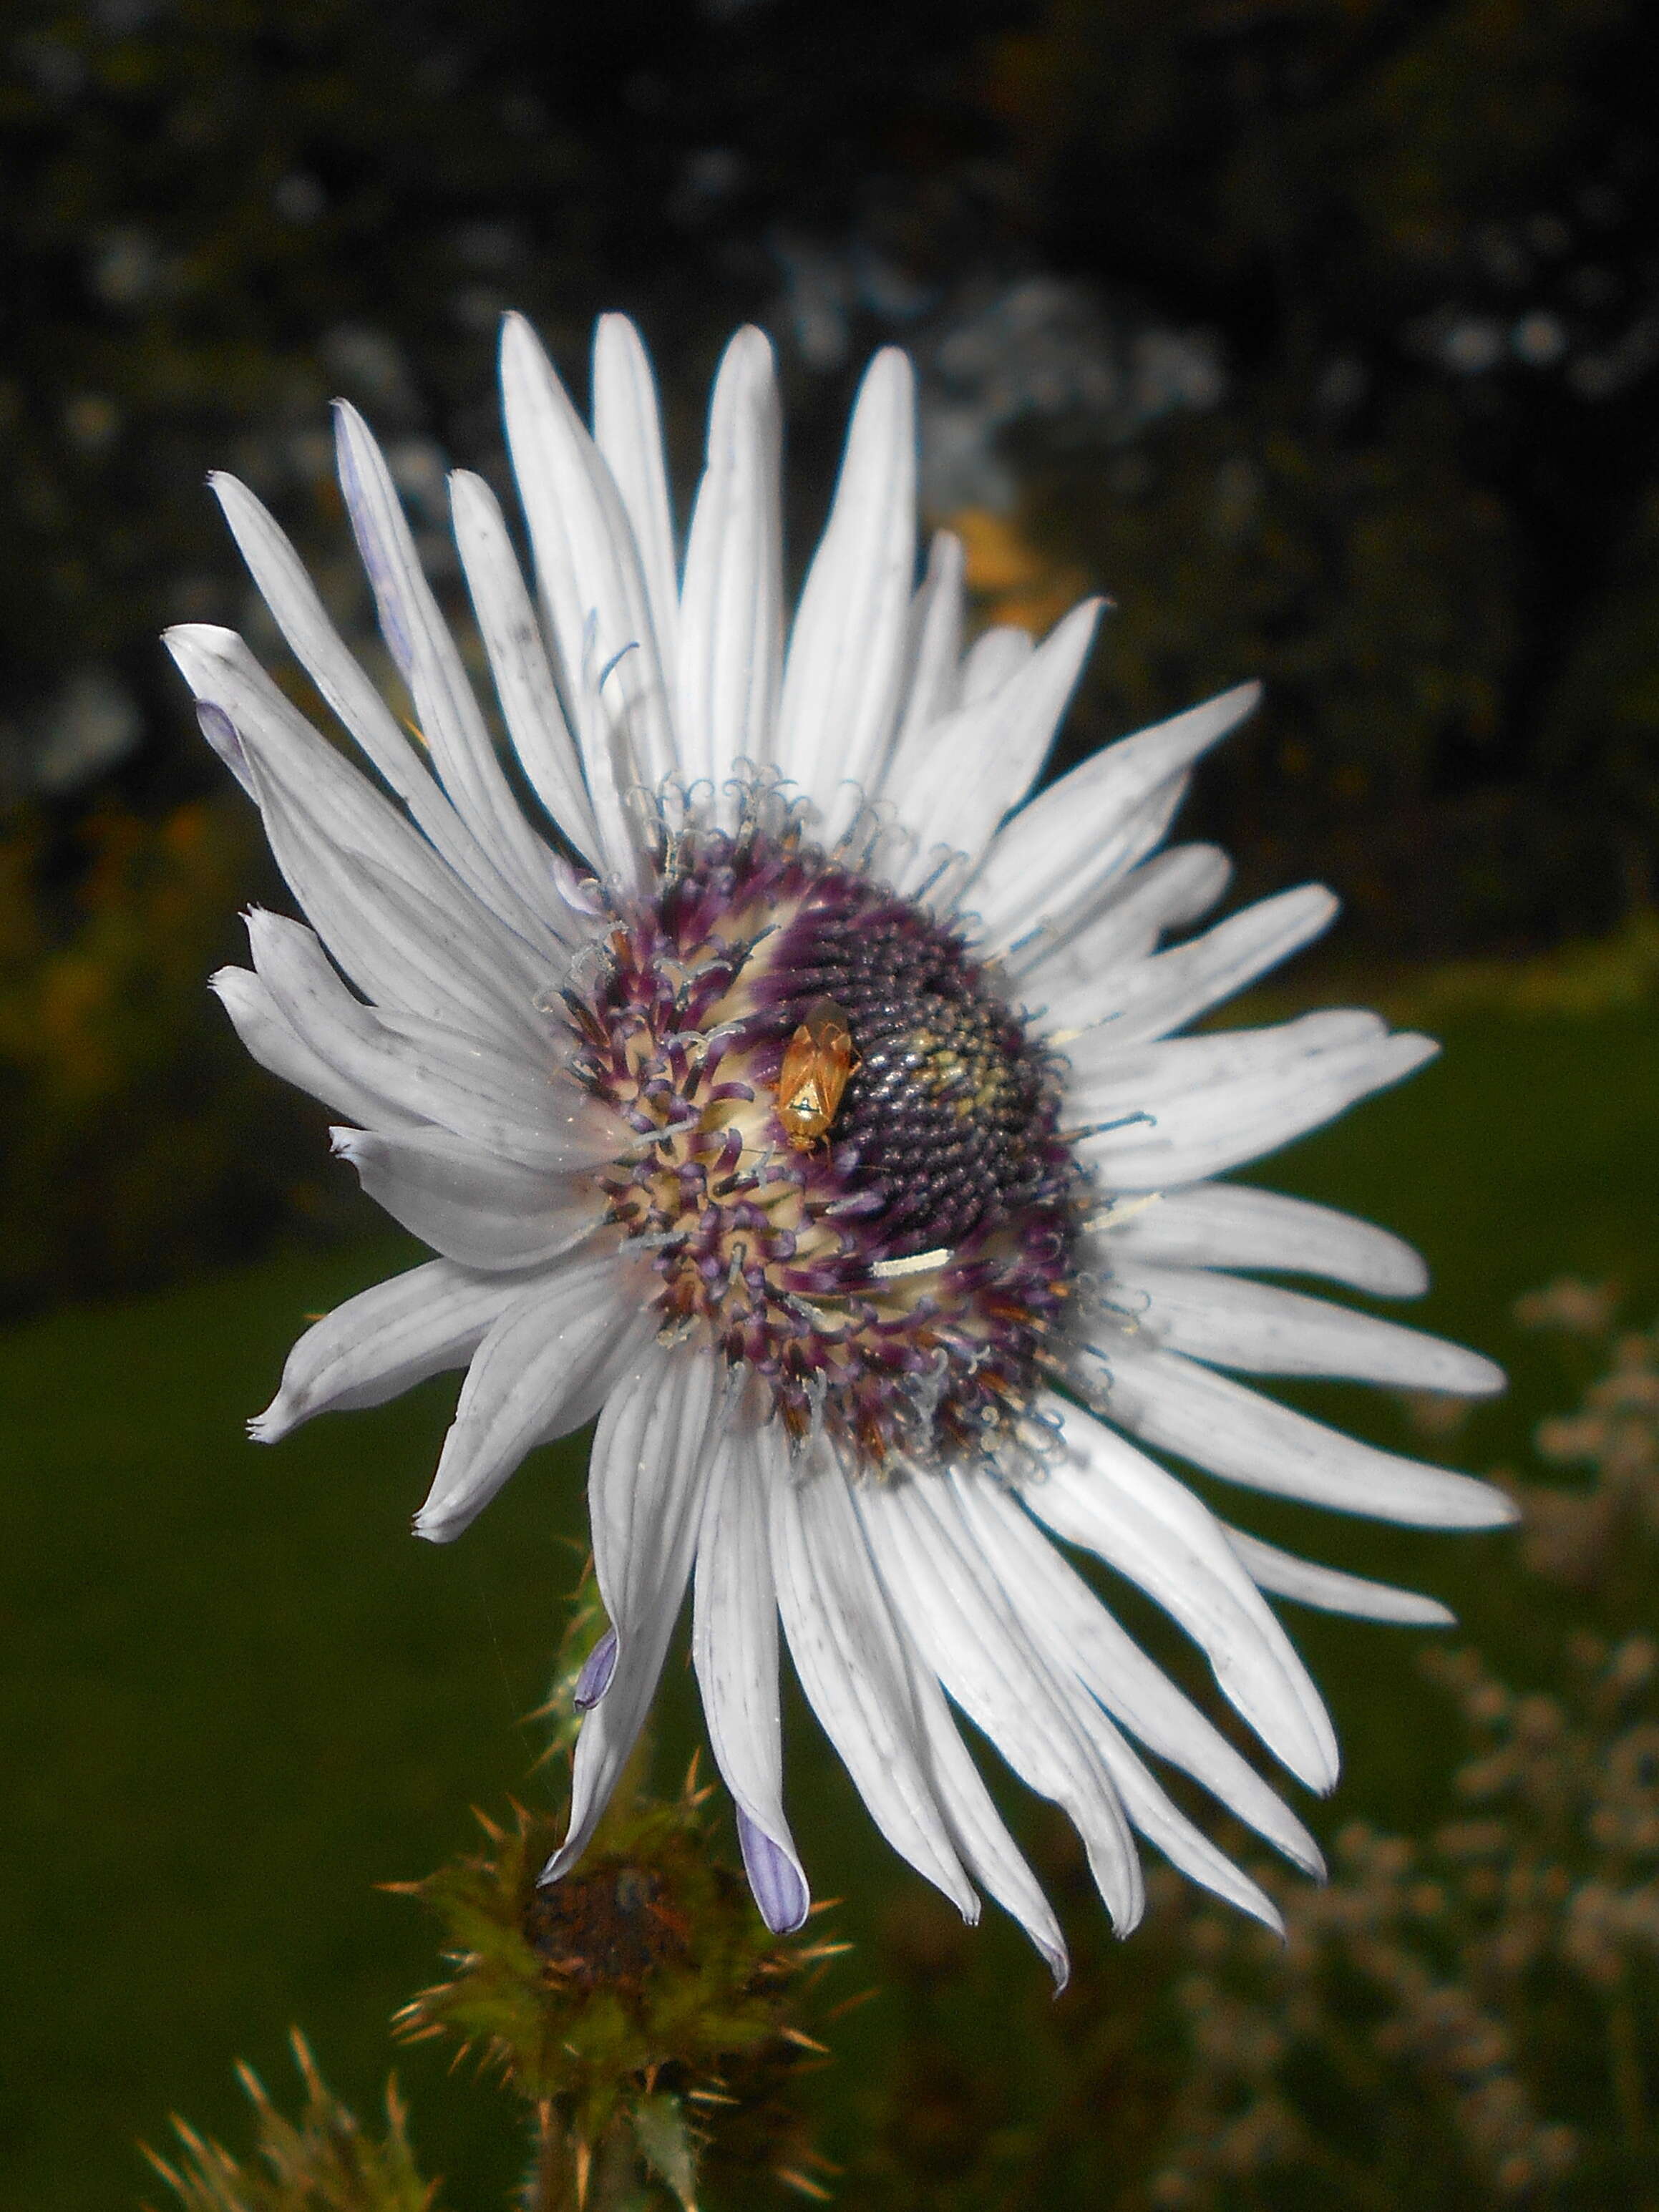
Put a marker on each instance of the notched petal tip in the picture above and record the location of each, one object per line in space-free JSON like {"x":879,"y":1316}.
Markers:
{"x":277,"y":1421}
{"x":436,"y":1527}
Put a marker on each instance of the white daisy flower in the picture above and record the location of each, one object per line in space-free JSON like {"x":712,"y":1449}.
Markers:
{"x":799,"y":1094}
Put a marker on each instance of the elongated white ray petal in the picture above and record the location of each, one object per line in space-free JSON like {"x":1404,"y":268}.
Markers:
{"x":1219,"y":1426}
{"x":517,"y":652}
{"x":987,"y":1849}
{"x":1148,"y":1807}
{"x":647,"y":1479}
{"x":588,"y":569}
{"x":1332,"y":1591}
{"x":734,"y":1646}
{"x":504,"y":1001}
{"x":1098,"y":1490}
{"x":355,"y":907}
{"x":1220,"y":1122}
{"x":628,"y":431}
{"x":288,"y":593}
{"x":948,"y":1595}
{"x":1173,"y":987}
{"x":731,"y":632}
{"x":419,"y":640}
{"x":410,"y":956}
{"x":1188,"y":1849}
{"x":1063,"y":974}
{"x":1118,"y":1673}
{"x":1051,"y":859}
{"x":931,"y":681}
{"x":1265,"y":1330}
{"x":1159,"y":1070}
{"x":272,"y":1038}
{"x":853,"y":1665}
{"x":1231,"y":1225}
{"x":995,"y":655}
{"x":980,"y":761}
{"x":325,"y":820}
{"x":476,"y":1209}
{"x":533,"y":1376}
{"x":448,"y":1079}
{"x":383,"y":1342}
{"x":846,"y":659}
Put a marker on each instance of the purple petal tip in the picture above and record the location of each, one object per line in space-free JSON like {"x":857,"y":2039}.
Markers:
{"x":782,"y":1896}
{"x":220,"y":731}
{"x":595,"y":1678}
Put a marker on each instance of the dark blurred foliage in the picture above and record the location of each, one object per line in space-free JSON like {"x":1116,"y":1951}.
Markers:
{"x":1324,"y":333}
{"x":1428,"y":236}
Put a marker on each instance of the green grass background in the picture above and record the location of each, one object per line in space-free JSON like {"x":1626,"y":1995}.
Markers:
{"x":238,"y":1695}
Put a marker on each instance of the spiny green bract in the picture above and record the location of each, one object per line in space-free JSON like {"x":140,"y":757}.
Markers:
{"x":641,"y":1993}
{"x":323,"y":2162}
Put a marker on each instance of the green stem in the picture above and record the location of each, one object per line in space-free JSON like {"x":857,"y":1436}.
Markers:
{"x":554,"y":2184}
{"x":1625,"y":2063}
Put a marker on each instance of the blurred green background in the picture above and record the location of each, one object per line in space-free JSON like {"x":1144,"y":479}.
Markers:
{"x":1325,"y":337}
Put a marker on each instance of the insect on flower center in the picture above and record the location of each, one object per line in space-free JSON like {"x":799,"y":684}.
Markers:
{"x":836,"y":1142}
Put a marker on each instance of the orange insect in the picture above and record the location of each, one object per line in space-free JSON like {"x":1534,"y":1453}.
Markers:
{"x":817,"y":1063}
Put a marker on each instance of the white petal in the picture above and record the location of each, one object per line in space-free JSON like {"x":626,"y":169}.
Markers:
{"x":1160,"y":1131}
{"x":995,"y":655}
{"x":475,"y":1209}
{"x":1148,"y":1808}
{"x":538,"y":1373}
{"x":1066,"y":973}
{"x":932,"y":685}
{"x":1098,"y":1490}
{"x":628,"y":431}
{"x":410,"y":955}
{"x":980,"y":761}
{"x":522,"y":1112}
{"x":280,"y":574}
{"x":324,"y":820}
{"x":1056,"y":853}
{"x":734,"y":1646}
{"x":518,"y":660}
{"x":419,"y":640}
{"x":846,"y":661}
{"x":588,"y":568}
{"x":976,"y":1827}
{"x":1332,"y":1591}
{"x":1230,"y":1225}
{"x":1265,"y":1330}
{"x":731,"y":636}
{"x":948,"y":1595}
{"x":854,"y":1668}
{"x":1155,"y":996}
{"x":1154,"y":1070}
{"x":1054,"y":1599}
{"x":1187,"y":1848}
{"x":271,"y":1038}
{"x":502,"y":1001}
{"x":1243,"y":1437}
{"x":647,"y":1479}
{"x":383,"y":1342}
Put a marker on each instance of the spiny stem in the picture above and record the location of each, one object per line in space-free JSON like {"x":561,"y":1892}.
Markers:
{"x":557,"y":2178}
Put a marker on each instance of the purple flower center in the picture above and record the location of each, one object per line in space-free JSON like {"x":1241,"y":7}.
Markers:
{"x":838,"y":1142}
